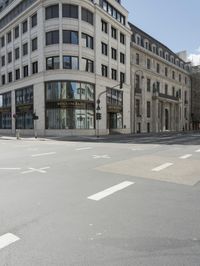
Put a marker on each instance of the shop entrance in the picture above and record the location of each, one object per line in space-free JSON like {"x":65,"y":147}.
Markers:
{"x":114,"y":120}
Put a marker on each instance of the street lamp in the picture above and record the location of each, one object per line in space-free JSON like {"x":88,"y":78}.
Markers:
{"x":98,"y":114}
{"x":142,"y":77}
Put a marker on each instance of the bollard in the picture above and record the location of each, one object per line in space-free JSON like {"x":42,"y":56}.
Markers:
{"x":17,"y":134}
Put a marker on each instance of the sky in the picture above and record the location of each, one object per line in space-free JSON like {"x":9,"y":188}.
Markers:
{"x":175,"y":23}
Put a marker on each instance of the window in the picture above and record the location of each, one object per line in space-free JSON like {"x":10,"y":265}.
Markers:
{"x":53,"y":62}
{"x":104,"y":70}
{"x":137,"y":59}
{"x":104,"y":26}
{"x":3,"y":60}
{"x":112,"y":11}
{"x":70,"y":37}
{"x":25,"y":68}
{"x":148,"y":85}
{"x":34,"y":67}
{"x":137,"y":107}
{"x":3,"y":79}
{"x":25,"y":49}
{"x":114,"y":74}
{"x":180,"y":78}
{"x":148,"y":63}
{"x":24,"y":26}
{"x":158,"y":68}
{"x":17,"y":74}
{"x":166,"y":89}
{"x":166,"y":71}
{"x":34,"y":44}
{"x":148,"y":109}
{"x":16,"y":32}
{"x":34,"y":20}
{"x":88,"y":65}
{"x":9,"y":37}
{"x":122,"y":77}
{"x":10,"y":77}
{"x":173,"y":91}
{"x":122,"y":38}
{"x":122,"y":58}
{"x":2,"y":41}
{"x":9,"y":57}
{"x":87,"y":41}
{"x":16,"y":53}
{"x":185,"y":80}
{"x":69,"y":11}
{"x":52,"y":12}
{"x":70,"y":62}
{"x":113,"y":33}
{"x":104,"y":48}
{"x":114,"y":53}
{"x":52,"y":37}
{"x":173,"y":74}
{"x":87,"y":16}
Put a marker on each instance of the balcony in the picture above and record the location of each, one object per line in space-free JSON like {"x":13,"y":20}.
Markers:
{"x":171,"y":98}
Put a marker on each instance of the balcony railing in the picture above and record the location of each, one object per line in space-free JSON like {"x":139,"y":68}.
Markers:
{"x":166,"y":96}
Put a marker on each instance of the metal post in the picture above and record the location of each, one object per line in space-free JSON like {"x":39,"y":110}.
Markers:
{"x":35,"y":129}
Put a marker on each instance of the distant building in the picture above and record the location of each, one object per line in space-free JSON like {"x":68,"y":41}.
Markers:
{"x":195,"y":108}
{"x":161,"y":86}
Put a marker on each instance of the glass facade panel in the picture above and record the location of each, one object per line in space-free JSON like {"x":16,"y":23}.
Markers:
{"x":5,"y":111}
{"x":69,"y":105}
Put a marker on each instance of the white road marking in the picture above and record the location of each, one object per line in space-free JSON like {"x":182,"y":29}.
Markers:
{"x":186,"y":156}
{"x":43,"y":154}
{"x":105,"y":156}
{"x":7,"y":239}
{"x":161,"y":167}
{"x":8,"y":168}
{"x":109,"y":191}
{"x":137,"y":149}
{"x":84,"y":148}
{"x":40,"y":170}
{"x":197,"y":151}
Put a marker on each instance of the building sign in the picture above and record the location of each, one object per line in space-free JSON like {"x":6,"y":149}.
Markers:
{"x":24,"y":108}
{"x":70,"y":104}
{"x":114,"y":108}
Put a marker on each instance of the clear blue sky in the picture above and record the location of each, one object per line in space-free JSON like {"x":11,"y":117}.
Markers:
{"x":176,"y":23}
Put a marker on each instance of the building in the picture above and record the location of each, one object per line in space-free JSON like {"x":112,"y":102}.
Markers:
{"x":161,"y":86}
{"x":195,"y":108}
{"x":56,"y":59}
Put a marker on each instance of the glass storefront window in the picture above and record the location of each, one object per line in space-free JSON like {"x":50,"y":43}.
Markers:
{"x":69,"y":105}
{"x":5,"y":111}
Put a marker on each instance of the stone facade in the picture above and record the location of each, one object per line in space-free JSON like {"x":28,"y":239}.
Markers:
{"x":161,"y":86}
{"x":90,"y":56}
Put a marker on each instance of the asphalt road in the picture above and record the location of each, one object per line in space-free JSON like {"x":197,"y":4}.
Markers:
{"x":116,"y":201}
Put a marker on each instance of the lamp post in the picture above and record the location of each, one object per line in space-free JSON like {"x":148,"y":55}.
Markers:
{"x":134,"y":98}
{"x":98,"y":114}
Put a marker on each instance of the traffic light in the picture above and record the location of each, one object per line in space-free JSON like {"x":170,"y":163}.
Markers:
{"x":35,"y":117}
{"x":98,"y":116}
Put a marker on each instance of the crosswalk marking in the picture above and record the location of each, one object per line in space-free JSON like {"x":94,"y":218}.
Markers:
{"x":161,"y":167}
{"x":7,"y":239}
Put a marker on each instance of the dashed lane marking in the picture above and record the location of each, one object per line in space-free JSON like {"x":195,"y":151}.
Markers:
{"x":83,"y":148}
{"x":197,"y":150}
{"x":8,"y":168}
{"x":43,"y":154}
{"x":110,"y":191}
{"x":105,"y":156}
{"x":186,"y":156}
{"x":7,"y":239}
{"x":162,"y":167}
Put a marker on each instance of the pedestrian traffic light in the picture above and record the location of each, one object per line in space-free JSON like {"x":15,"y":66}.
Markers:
{"x":98,"y":116}
{"x":35,"y":117}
